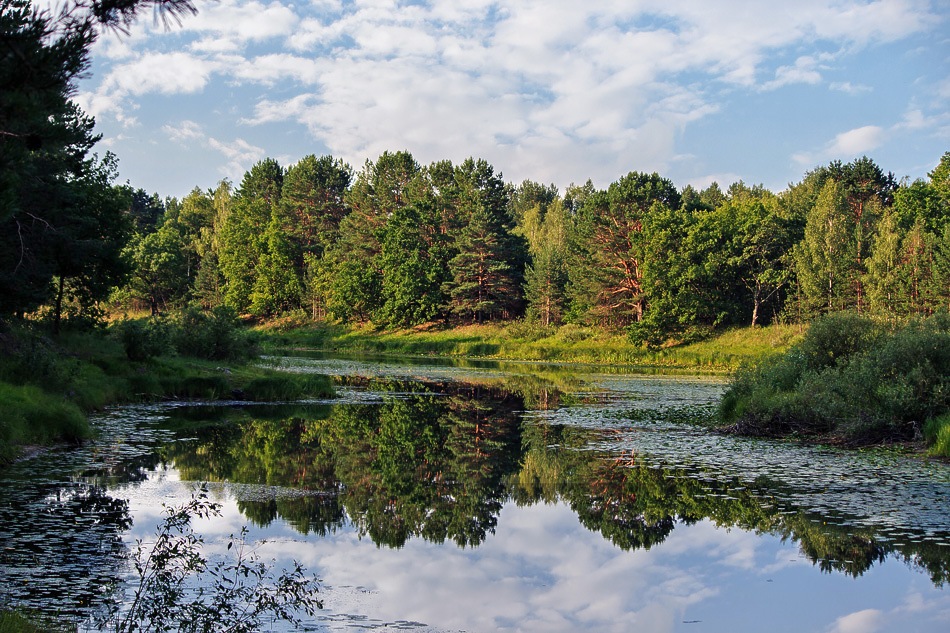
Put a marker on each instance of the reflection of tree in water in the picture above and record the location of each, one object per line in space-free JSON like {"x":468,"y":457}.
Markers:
{"x":636,"y":504}
{"x":429,"y":466}
{"x":439,"y":460}
{"x":419,"y":464}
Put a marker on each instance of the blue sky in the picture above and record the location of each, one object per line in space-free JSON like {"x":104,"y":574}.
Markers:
{"x":548,"y":90}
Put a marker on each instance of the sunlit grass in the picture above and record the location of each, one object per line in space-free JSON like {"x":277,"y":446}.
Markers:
{"x":518,"y":341}
{"x":937,"y":434}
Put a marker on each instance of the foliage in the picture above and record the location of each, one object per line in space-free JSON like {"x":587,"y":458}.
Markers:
{"x":487,"y":273}
{"x":241,"y":594}
{"x":214,"y":335}
{"x":848,"y":377}
{"x":606,"y":274}
{"x":143,"y":339}
{"x":62,"y":225}
{"x":413,"y":259}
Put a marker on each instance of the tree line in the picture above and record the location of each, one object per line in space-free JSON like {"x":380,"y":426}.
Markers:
{"x":402,"y":244}
{"x":399,"y":243}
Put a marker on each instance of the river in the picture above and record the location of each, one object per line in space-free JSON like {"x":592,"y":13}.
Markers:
{"x":434,"y":496}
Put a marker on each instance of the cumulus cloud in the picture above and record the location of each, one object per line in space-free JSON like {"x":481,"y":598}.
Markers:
{"x":866,"y":621}
{"x":528,"y":83}
{"x":857,"y":141}
{"x":848,"y":144}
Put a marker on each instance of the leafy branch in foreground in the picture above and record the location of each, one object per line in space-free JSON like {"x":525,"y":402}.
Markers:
{"x":180,"y":589}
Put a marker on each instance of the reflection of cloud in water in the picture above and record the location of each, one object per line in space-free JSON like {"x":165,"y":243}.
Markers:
{"x":543,"y":571}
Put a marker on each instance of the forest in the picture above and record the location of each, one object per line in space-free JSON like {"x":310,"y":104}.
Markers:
{"x":400,"y":244}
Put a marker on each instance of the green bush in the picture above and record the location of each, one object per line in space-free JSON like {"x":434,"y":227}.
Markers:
{"x":143,"y":339}
{"x":849,"y":377}
{"x":837,"y":338}
{"x":213,"y":336}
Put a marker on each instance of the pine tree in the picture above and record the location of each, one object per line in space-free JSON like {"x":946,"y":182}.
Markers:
{"x":488,"y":269}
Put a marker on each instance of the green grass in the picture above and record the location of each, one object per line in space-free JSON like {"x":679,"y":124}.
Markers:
{"x":48,"y":387}
{"x":519,"y":341}
{"x":13,"y":622}
{"x":937,"y":434}
{"x":28,"y":415}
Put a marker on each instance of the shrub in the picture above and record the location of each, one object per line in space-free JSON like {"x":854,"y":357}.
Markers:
{"x":181,"y":589}
{"x":213,"y":336}
{"x":850,"y":377}
{"x":836,"y":338}
{"x":143,"y":339}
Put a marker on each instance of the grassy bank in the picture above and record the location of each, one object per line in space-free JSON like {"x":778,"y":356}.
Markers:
{"x":49,"y":386}
{"x":518,"y":341}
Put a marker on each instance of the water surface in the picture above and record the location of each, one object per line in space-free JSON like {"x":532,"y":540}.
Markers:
{"x":521,"y":497}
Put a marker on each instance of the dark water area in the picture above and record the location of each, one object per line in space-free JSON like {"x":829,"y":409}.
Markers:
{"x":516,"y":497}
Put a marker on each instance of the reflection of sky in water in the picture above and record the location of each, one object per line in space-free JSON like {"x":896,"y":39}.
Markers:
{"x":542,"y":571}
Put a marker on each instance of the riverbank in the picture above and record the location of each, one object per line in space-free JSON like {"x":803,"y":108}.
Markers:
{"x":721,"y":353}
{"x":48,"y":386}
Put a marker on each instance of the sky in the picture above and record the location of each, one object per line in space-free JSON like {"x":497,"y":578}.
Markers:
{"x":553,"y":91}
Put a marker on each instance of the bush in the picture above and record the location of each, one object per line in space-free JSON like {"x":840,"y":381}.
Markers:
{"x":239,"y":593}
{"x":143,"y":339}
{"x":848,"y":377}
{"x":837,"y":338}
{"x":213,"y":336}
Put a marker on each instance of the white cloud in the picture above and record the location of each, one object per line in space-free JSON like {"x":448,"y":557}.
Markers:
{"x":239,"y":154}
{"x":165,"y":73}
{"x":857,"y":141}
{"x":850,"y":88}
{"x":242,"y":20}
{"x":185,"y":131}
{"x":804,"y":71}
{"x":846,"y":145}
{"x":536,"y":86}
{"x":866,"y":621}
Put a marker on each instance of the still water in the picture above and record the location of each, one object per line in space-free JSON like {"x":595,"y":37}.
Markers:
{"x":439,"y":497}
